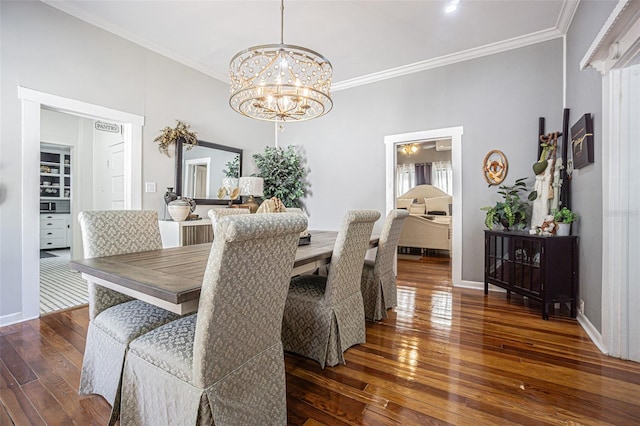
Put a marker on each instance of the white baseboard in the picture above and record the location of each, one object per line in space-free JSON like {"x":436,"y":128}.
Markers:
{"x":592,"y":332}
{"x":477,"y":285}
{"x":10,"y":319}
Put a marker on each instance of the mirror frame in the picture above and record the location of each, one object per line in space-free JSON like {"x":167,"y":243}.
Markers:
{"x":204,"y":201}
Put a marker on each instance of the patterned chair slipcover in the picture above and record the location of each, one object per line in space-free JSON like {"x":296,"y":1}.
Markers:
{"x":115,"y":319}
{"x":225,"y":364}
{"x":216,"y":214}
{"x":378,"y":278}
{"x":324,"y":316}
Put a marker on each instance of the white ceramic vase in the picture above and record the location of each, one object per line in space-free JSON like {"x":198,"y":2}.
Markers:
{"x":564,"y":229}
{"x":179,"y":209}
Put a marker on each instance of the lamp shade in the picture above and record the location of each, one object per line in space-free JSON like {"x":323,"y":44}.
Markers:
{"x":251,"y":185}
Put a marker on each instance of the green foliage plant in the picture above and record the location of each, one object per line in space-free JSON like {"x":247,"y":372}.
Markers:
{"x":512,"y":210}
{"x":564,"y":215}
{"x":284,"y":174}
{"x":232,"y":169}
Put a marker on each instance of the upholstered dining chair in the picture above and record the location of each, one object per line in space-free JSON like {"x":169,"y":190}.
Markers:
{"x":225,"y":364}
{"x":115,"y":319}
{"x":378,"y":284}
{"x":216,"y":214}
{"x":324,"y":316}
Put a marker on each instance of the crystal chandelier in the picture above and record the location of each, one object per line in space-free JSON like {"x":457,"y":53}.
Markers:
{"x":280,"y":82}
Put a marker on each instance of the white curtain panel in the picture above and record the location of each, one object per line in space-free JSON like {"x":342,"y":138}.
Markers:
{"x":442,"y":176}
{"x":405,"y":178}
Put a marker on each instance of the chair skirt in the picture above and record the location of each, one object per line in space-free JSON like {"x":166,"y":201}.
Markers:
{"x":372,"y":294}
{"x":157,"y":386}
{"x":108,"y":337}
{"x":319,"y":331}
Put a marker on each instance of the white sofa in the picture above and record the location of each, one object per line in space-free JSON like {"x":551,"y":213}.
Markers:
{"x":420,"y":229}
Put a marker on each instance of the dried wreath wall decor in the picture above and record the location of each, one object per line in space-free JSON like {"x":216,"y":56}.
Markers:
{"x":169,"y":136}
{"x":495,"y":167}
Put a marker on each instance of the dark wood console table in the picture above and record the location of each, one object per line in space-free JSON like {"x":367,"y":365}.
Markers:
{"x":541,"y":268}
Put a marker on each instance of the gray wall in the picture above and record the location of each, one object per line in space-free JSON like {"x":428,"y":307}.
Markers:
{"x":584,"y":94}
{"x":47,"y":50}
{"x":497,"y":99}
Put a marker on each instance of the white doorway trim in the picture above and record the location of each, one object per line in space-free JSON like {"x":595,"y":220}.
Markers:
{"x":32,"y":102}
{"x":455,"y":134}
{"x":613,"y":52}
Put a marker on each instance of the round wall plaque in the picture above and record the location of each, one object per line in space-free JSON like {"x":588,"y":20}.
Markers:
{"x":495,"y":167}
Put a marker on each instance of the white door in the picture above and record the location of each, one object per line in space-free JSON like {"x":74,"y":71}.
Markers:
{"x":115,"y":166}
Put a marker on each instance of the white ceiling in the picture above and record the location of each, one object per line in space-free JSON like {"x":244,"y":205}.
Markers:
{"x":364,"y":40}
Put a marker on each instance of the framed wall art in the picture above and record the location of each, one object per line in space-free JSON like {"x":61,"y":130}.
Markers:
{"x":582,"y":141}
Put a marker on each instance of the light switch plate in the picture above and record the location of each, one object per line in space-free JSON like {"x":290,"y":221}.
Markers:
{"x":149,"y":187}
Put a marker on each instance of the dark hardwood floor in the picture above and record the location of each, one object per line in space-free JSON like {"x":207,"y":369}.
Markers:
{"x":444,"y":356}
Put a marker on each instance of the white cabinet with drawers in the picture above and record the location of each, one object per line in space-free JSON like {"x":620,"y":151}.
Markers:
{"x":54,"y":230}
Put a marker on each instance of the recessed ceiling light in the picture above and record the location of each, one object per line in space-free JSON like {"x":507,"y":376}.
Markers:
{"x":452,"y":6}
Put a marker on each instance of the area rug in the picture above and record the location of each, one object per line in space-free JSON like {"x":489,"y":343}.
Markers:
{"x":44,"y":254}
{"x":60,"y":287}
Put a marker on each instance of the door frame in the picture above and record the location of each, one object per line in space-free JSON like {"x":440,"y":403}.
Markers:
{"x":32,"y":102}
{"x":455,"y":134}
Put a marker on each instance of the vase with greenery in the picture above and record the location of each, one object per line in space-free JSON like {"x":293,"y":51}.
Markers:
{"x":172,"y":135}
{"x":564,"y":215}
{"x":564,"y":218}
{"x":284,"y":174}
{"x":512,"y":211}
{"x":230,"y":181}
{"x":232,"y":168}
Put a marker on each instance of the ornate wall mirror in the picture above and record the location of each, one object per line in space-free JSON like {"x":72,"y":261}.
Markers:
{"x":200,"y":171}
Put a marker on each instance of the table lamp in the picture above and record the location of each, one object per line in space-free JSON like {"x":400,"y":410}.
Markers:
{"x":253,"y":187}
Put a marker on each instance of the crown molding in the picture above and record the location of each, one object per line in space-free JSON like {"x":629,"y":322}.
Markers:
{"x":567,"y":13}
{"x":465,"y":55}
{"x":564,"y":20}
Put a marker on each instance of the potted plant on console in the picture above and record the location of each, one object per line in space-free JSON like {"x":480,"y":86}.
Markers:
{"x":512,"y":212}
{"x":284,"y":174}
{"x":564,"y":218}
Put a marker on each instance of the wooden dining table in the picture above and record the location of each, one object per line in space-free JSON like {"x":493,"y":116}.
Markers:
{"x":171,"y":278}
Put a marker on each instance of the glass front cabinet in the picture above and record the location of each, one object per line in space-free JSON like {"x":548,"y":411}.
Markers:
{"x":538,"y":267}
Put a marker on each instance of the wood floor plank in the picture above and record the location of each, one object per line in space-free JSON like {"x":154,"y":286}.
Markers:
{"x":17,"y":404}
{"x":57,"y":375}
{"x":444,"y":356}
{"x":14,"y":362}
{"x":61,"y":343}
{"x":59,"y":327}
{"x":5,"y":420}
{"x":46,"y":404}
{"x":330,"y":401}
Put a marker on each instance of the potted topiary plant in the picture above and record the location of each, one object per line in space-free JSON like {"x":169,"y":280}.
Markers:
{"x":283,"y":173}
{"x":564,"y":218}
{"x":512,"y":211}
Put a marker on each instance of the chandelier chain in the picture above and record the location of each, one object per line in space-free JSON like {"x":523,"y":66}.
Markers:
{"x":281,"y":21}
